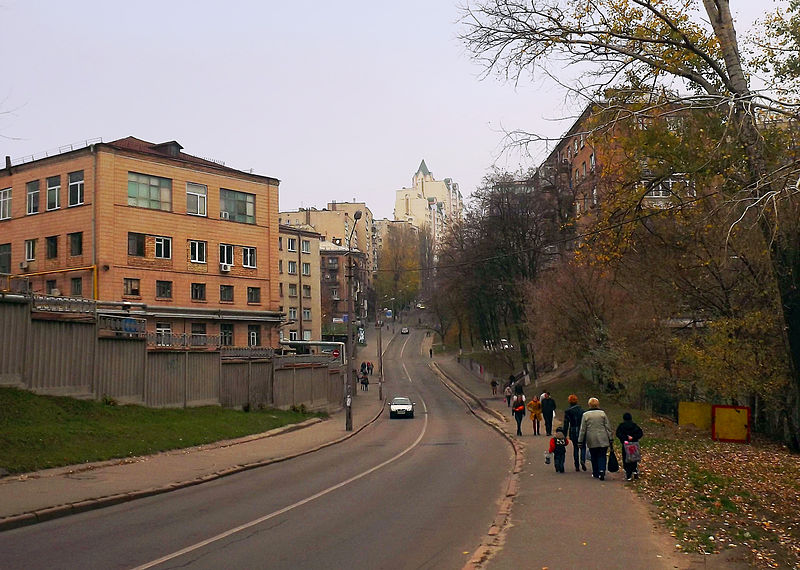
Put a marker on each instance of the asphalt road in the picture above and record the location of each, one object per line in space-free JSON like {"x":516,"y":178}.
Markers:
{"x":404,"y":493}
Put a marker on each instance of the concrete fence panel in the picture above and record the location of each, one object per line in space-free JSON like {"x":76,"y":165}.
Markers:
{"x":15,"y":331}
{"x":120,"y":370}
{"x":60,"y":357}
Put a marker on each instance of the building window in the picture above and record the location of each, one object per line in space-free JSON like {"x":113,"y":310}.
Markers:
{"x":226,"y":293}
{"x":5,"y":258}
{"x":32,"y":189}
{"x":583,"y":168}
{"x":306,"y":335}
{"x":254,"y":294}
{"x":197,"y":251}
{"x":135,"y":244}
{"x":253,"y":335}
{"x":52,"y":247}
{"x":292,"y":267}
{"x":75,"y":244}
{"x":280,"y":266}
{"x":30,"y":249}
{"x":198,"y":291}
{"x":306,"y":314}
{"x":307,"y":291}
{"x":163,"y":247}
{"x":280,"y":289}
{"x":293,"y":313}
{"x":305,"y":245}
{"x":196,"y":199}
{"x":293,"y":289}
{"x":249,"y":257}
{"x":291,"y":244}
{"x":163,"y":334}
{"x":130,"y":287}
{"x":226,"y":253}
{"x":280,"y":244}
{"x":5,"y":204}
{"x":76,"y":286}
{"x":335,"y":294}
{"x":226,"y":334}
{"x":237,"y":206}
{"x":153,"y":192}
{"x":199,"y":334}
{"x":75,"y":188}
{"x":164,"y":289}
{"x":292,"y":335}
{"x":50,"y":287}
{"x":306,"y":269}
{"x":53,"y":192}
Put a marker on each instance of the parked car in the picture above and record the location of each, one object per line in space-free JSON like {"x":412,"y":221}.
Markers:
{"x":401,"y":407}
{"x":421,"y":306}
{"x":404,"y":330}
{"x":504,"y":344}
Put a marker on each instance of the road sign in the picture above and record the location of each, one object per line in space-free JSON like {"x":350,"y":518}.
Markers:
{"x":335,"y":353}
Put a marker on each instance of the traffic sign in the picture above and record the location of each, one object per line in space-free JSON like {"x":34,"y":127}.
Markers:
{"x":335,"y":353}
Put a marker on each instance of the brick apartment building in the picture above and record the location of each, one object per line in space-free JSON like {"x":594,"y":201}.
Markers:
{"x":300,"y":282}
{"x":186,"y":243}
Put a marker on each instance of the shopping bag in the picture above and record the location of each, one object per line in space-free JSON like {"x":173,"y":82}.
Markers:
{"x":613,"y":464}
{"x":632,"y":452}
{"x":547,"y":456}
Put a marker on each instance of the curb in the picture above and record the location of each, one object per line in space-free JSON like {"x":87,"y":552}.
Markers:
{"x":50,"y":513}
{"x":495,"y":536}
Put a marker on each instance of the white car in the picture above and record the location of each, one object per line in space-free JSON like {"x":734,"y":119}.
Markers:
{"x":401,"y":407}
{"x":404,"y":330}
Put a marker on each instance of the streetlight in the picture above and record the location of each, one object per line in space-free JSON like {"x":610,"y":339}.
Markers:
{"x":351,"y":348}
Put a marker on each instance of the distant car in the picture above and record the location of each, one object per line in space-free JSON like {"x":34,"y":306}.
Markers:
{"x":401,"y":407}
{"x":404,"y":330}
{"x":420,"y":306}
{"x":504,"y":344}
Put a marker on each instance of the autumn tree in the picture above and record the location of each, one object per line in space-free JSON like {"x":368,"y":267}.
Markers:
{"x":399,"y":261}
{"x":646,"y":48}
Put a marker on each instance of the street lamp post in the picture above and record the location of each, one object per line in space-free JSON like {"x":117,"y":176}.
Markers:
{"x":351,"y":346}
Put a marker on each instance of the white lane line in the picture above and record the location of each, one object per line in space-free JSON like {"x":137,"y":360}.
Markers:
{"x":260,"y":520}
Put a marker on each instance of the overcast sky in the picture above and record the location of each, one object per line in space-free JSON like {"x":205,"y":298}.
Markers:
{"x":339,"y":100}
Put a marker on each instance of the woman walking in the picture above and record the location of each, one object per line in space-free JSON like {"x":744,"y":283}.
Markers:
{"x":518,"y":407}
{"x":597,"y":436}
{"x":535,"y":408}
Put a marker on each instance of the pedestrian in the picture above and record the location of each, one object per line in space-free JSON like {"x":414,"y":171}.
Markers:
{"x":629,"y":432}
{"x":369,"y":367}
{"x":572,"y":425}
{"x":430,"y":352}
{"x":518,"y":408}
{"x":494,"y":387}
{"x":595,"y":433}
{"x":558,"y":447}
{"x":363,"y":368}
{"x":535,"y":408}
{"x":548,"y":411}
{"x":507,"y":393}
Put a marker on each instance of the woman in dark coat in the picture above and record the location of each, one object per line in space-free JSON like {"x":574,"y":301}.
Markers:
{"x":629,"y":431}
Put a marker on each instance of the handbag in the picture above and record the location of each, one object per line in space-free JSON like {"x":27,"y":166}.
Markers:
{"x":633,"y":452}
{"x":547,"y":456}
{"x":613,"y":464}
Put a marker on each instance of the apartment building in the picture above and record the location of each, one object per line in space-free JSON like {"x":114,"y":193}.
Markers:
{"x":147,"y":230}
{"x":429,"y":204}
{"x":300,"y":282}
{"x":335,"y":268}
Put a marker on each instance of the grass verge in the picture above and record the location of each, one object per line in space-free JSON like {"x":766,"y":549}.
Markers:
{"x":40,"y":432}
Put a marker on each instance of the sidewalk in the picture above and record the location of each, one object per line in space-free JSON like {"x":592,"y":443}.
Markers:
{"x":43,"y":495}
{"x":565,"y":520}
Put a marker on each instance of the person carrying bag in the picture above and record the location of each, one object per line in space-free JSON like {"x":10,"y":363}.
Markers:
{"x":629,"y":434}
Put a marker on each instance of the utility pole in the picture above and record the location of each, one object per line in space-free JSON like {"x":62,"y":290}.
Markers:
{"x":379,"y":326}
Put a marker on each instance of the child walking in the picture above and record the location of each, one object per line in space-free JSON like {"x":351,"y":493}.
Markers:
{"x":558,"y":447}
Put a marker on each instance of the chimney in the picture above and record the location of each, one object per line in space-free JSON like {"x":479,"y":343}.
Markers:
{"x":8,"y":163}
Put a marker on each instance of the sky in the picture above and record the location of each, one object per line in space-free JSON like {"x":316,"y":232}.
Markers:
{"x":339,"y":100}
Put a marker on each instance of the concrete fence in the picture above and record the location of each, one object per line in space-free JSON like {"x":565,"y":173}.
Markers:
{"x":77,"y":355}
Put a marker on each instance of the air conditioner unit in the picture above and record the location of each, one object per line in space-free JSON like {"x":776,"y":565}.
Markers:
{"x":225,"y":267}
{"x":23,"y":265}
{"x":224,"y":215}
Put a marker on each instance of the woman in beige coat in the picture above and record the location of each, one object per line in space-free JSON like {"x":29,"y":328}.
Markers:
{"x":597,"y":435}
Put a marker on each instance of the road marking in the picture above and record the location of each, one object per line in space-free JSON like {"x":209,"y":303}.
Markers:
{"x":314,"y":497}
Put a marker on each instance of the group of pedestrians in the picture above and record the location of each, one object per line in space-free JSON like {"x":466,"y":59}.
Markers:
{"x":585,"y":429}
{"x":366,"y":372}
